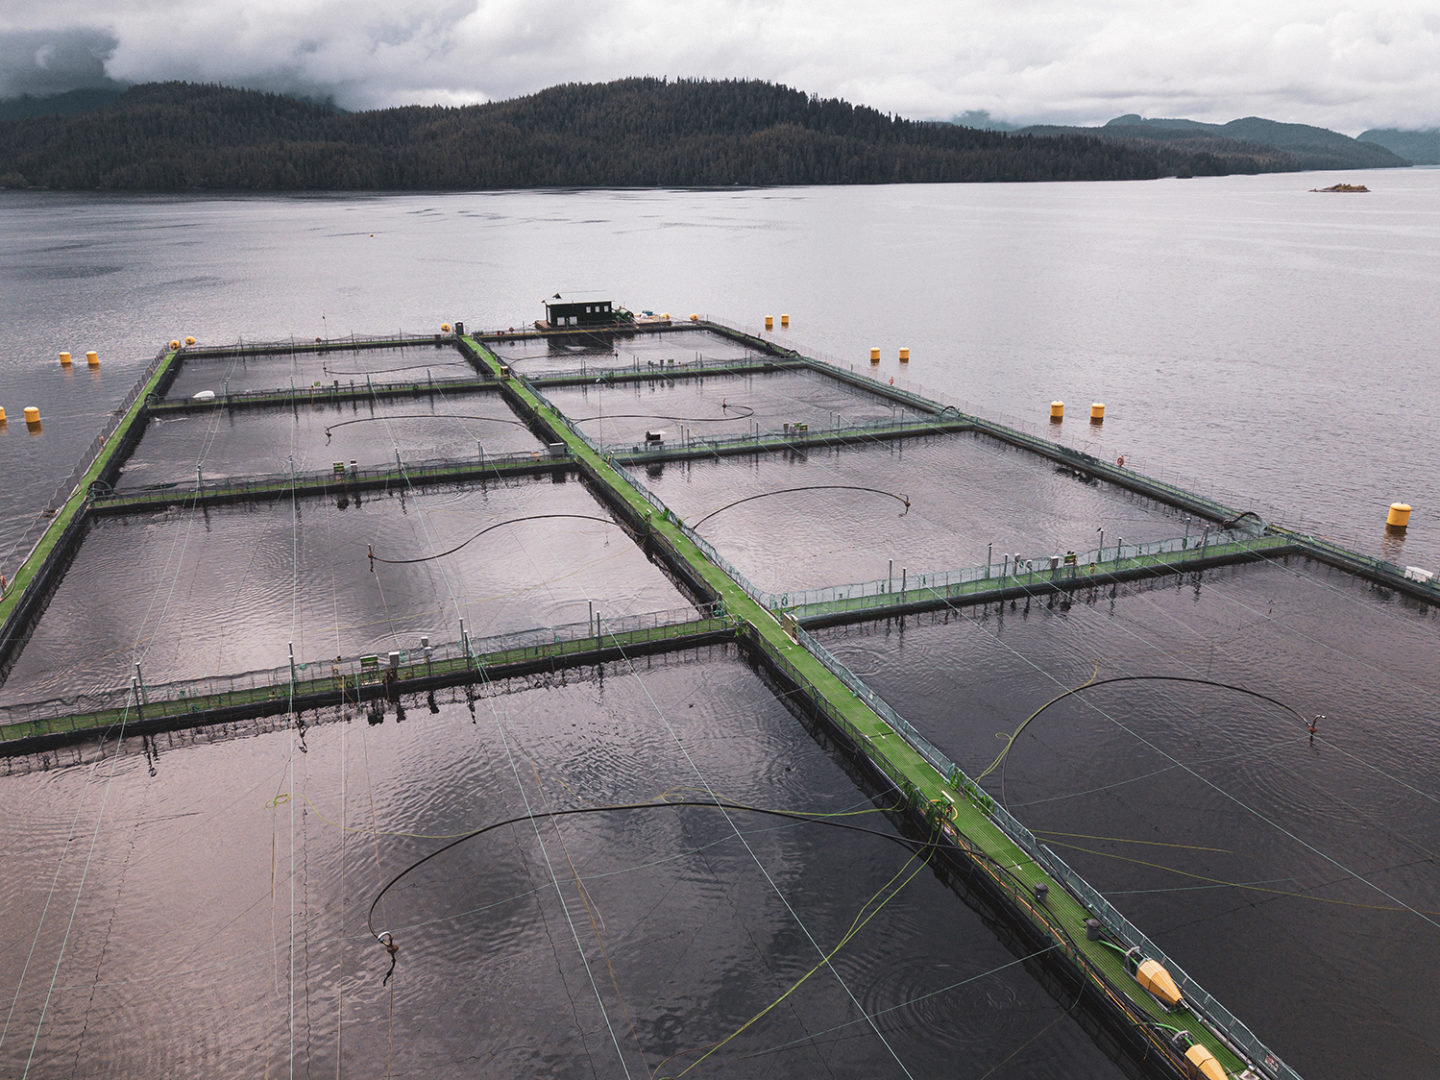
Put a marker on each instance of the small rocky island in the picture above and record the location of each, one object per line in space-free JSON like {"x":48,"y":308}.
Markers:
{"x":1342,"y":187}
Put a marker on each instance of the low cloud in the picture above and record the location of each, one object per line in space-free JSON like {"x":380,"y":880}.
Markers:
{"x":44,"y":62}
{"x":1320,"y":61}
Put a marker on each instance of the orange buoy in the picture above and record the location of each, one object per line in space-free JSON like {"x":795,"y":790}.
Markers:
{"x":1155,"y":979}
{"x":92,"y":358}
{"x":1202,"y":1064}
{"x":1057,"y":410}
{"x":1399,"y":516}
{"x":64,"y":359}
{"x":32,"y":414}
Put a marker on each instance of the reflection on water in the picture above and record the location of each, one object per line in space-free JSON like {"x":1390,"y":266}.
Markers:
{"x":193,"y":593}
{"x":830,"y":517}
{"x":1239,"y":331}
{"x":255,"y":442}
{"x":222,"y":926}
{"x":1291,"y":875}
{"x":718,"y":407}
{"x":303,"y":370}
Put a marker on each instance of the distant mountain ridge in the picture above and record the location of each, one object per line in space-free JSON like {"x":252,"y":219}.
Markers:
{"x":629,"y":133}
{"x":1302,"y":146}
{"x":1421,"y":147}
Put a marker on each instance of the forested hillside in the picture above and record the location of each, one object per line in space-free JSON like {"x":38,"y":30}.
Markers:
{"x":634,"y":132}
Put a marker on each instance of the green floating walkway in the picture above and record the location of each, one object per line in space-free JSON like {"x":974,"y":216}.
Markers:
{"x":985,"y":585}
{"x":294,"y":397}
{"x":654,"y":371}
{"x":796,"y":441}
{"x":26,"y":728}
{"x":333,"y":483}
{"x":947,"y":799}
{"x":1047,"y":900}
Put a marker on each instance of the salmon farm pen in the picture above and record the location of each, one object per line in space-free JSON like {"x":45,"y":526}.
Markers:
{"x":675,"y":591}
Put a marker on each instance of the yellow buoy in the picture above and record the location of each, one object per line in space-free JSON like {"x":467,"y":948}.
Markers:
{"x":1157,"y":980}
{"x":875,"y":354}
{"x":1201,"y":1064}
{"x":32,"y":414}
{"x":92,"y":358}
{"x":784,"y":320}
{"x":769,"y":322}
{"x":904,"y":356}
{"x":1097,"y":412}
{"x":694,"y":316}
{"x":189,"y":341}
{"x":444,"y":327}
{"x":1399,"y":515}
{"x":1057,"y":410}
{"x":64,"y":359}
{"x":2,"y":414}
{"x":175,"y":344}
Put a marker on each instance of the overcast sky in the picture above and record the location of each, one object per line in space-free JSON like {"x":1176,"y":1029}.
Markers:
{"x":1322,"y":62}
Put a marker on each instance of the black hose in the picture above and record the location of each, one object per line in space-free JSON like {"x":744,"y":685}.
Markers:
{"x":388,"y":370}
{"x":749,"y":412}
{"x":422,"y":416}
{"x":1138,"y":678}
{"x":512,"y":521}
{"x":1240,"y":516}
{"x":903,"y":499}
{"x":386,"y":938}
{"x":914,"y":845}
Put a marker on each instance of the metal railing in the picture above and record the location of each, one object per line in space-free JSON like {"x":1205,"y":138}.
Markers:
{"x":1220,"y":1019}
{"x":660,"y":368}
{"x":322,"y":393}
{"x":657,"y":505}
{"x":857,"y":686}
{"x":1026,"y":571}
{"x":401,"y":339}
{"x":278,"y":683}
{"x":795,"y":438}
{"x":25,"y":544}
{"x":929,"y":398}
{"x":429,"y":470}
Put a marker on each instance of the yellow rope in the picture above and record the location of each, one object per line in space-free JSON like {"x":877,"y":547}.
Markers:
{"x":856,"y":926}
{"x":1010,"y":741}
{"x":1123,"y":840}
{"x":1243,"y":885}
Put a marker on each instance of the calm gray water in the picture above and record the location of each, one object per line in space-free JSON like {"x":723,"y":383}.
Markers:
{"x":1245,"y":332}
{"x":1291,"y":875}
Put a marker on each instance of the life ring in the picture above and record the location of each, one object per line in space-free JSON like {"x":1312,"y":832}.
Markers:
{"x":1120,"y":461}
